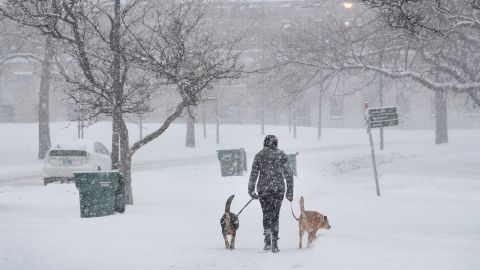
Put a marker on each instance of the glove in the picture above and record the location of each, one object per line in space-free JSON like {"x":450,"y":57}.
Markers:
{"x":289,"y":197}
{"x":254,"y":195}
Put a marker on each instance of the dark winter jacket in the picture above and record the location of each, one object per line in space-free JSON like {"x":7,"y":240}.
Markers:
{"x":271,"y":167}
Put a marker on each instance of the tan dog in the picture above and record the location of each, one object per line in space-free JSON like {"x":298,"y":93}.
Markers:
{"x":311,"y":222}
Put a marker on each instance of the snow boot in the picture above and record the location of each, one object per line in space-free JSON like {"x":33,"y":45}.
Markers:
{"x":268,"y":240}
{"x":275,"y":242}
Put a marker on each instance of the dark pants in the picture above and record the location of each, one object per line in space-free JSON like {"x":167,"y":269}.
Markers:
{"x":271,"y":203}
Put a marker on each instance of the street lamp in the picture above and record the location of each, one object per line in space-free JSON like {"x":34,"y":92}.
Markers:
{"x":347,"y":5}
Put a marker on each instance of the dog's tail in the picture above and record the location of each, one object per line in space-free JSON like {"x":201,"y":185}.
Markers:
{"x":229,"y":202}
{"x":302,"y":206}
{"x":293,"y":214}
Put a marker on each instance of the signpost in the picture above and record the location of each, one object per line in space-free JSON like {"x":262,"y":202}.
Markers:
{"x":379,"y":118}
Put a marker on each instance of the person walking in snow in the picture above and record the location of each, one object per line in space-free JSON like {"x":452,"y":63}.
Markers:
{"x":271,"y":167}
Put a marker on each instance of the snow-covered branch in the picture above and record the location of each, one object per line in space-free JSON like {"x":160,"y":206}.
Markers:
{"x":20,"y":55}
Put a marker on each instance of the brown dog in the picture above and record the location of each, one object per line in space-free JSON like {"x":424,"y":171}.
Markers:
{"x":311,"y":222}
{"x":230,"y":224}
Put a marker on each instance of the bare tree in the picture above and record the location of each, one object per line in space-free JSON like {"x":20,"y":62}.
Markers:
{"x":446,"y":34}
{"x":441,"y":61}
{"x":90,"y":33}
{"x":93,"y":34}
{"x":454,"y":24}
{"x":178,"y":50}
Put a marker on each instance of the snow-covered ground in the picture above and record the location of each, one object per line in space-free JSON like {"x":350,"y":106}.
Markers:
{"x":428,"y":216}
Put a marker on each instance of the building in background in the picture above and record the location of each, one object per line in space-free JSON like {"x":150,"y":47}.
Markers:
{"x":19,"y":85}
{"x":244,"y":101}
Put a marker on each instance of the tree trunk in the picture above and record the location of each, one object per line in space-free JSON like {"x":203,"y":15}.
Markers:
{"x":80,"y":127}
{"x":217,"y":121}
{"x":319,"y":135}
{"x":262,"y":113}
{"x":43,"y":101}
{"x":204,"y":120}
{"x":441,"y":117}
{"x":115,"y":153}
{"x":116,"y":84}
{"x":140,"y":126}
{"x":126,"y":161}
{"x":190,"y":138}
{"x":127,"y":174}
{"x":289,"y":120}
{"x":295,"y":122}
{"x":275,"y":115}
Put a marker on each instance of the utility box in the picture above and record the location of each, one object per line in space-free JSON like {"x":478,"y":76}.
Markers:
{"x":292,"y":159}
{"x":101,"y":193}
{"x":233,"y":162}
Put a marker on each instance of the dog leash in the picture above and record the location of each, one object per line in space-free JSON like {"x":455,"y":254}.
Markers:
{"x":293,"y":214}
{"x":244,"y":207}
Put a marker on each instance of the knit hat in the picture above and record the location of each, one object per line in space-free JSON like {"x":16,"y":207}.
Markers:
{"x":270,"y":141}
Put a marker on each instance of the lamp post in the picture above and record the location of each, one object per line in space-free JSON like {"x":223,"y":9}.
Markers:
{"x":347,"y":5}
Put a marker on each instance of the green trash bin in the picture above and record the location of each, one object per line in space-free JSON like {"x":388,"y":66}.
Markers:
{"x":233,"y":162}
{"x":292,"y":159}
{"x":101,"y":193}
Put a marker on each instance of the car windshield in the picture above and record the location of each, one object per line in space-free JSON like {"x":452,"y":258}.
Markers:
{"x":63,"y":153}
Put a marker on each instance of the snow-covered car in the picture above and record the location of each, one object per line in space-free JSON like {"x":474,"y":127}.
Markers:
{"x":65,"y":158}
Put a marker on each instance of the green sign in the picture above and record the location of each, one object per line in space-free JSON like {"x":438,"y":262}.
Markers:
{"x":383,"y":117}
{"x":384,"y":110}
{"x":386,"y":123}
